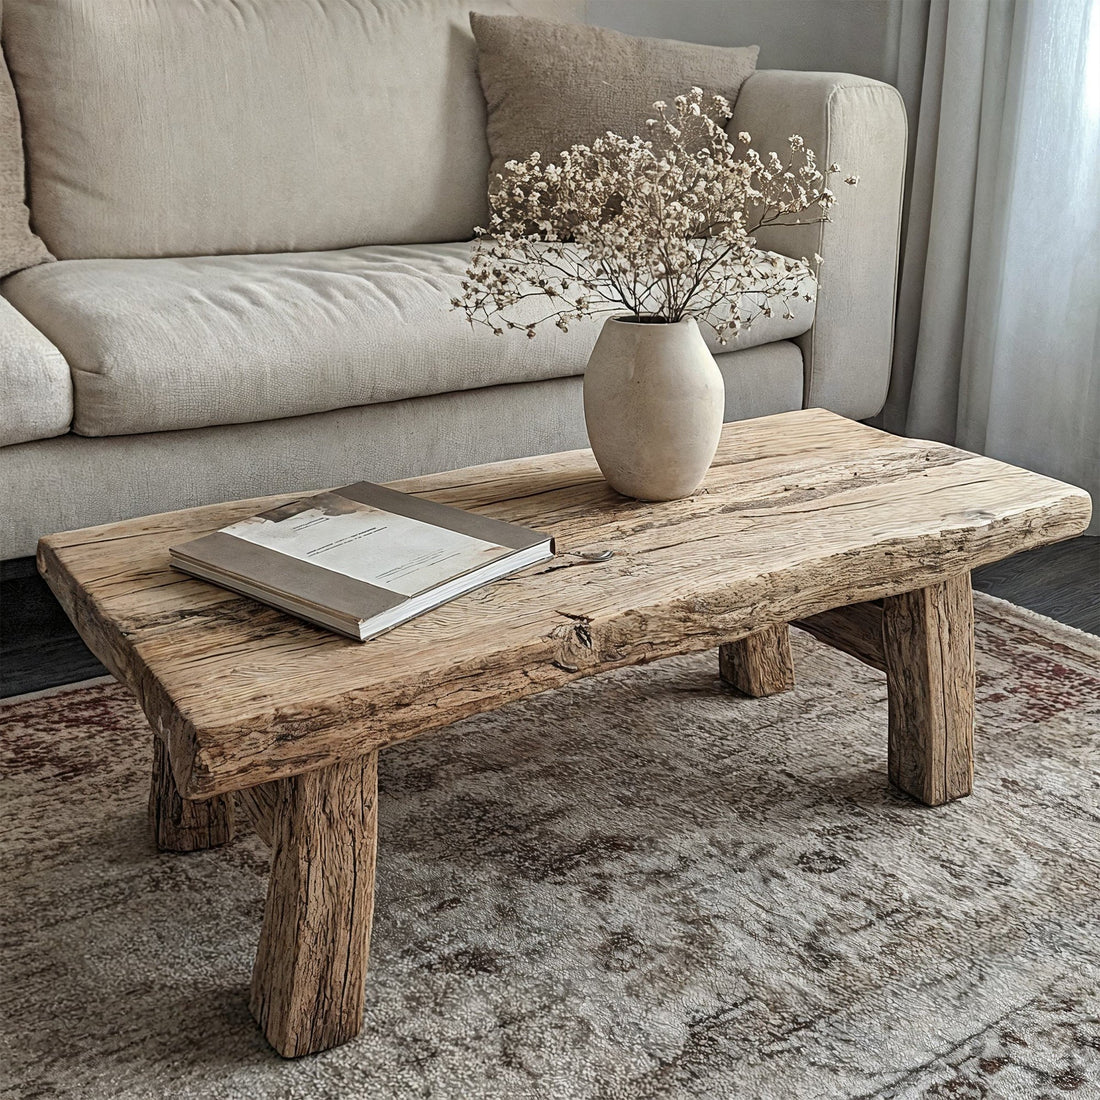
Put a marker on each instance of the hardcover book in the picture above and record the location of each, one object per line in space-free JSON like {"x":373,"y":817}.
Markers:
{"x":362,"y":559}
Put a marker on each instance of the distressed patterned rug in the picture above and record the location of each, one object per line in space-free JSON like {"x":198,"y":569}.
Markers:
{"x":637,"y":886}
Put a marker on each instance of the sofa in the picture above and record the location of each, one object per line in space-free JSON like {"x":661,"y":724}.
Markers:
{"x":258,"y":212}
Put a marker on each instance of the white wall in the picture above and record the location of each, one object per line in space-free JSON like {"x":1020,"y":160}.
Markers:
{"x":852,"y":36}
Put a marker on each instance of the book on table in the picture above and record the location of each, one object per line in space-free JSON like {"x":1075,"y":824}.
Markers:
{"x":361,"y":559}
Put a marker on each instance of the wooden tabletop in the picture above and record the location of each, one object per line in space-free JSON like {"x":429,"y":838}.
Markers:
{"x":800,"y":513}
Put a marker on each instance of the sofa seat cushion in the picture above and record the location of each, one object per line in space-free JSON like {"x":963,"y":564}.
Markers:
{"x":187,"y":343}
{"x":36,"y":391}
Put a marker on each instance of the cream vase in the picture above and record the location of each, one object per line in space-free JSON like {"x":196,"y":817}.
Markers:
{"x":653,"y":404}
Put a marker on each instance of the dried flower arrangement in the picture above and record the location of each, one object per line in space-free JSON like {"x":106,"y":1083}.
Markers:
{"x":660,"y":227}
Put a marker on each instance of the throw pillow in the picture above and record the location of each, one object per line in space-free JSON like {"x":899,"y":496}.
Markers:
{"x":19,"y":247}
{"x":549,"y":86}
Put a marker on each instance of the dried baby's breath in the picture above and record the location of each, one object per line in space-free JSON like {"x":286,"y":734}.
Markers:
{"x":660,"y":226}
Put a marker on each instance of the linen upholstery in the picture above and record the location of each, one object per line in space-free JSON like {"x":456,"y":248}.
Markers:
{"x":19,"y":247}
{"x":185,"y":343}
{"x":60,"y":484}
{"x":859,"y":124}
{"x":36,"y":392}
{"x":549,"y":86}
{"x":166,"y":127}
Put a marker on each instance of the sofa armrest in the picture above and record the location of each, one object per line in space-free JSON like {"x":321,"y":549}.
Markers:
{"x":859,"y":124}
{"x":36,"y":389}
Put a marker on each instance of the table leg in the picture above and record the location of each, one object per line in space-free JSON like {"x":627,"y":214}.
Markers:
{"x":307,"y":982}
{"x":180,"y":824}
{"x":760,"y":663}
{"x":928,"y":642}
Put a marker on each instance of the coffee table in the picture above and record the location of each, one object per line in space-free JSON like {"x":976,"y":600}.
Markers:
{"x":862,"y":538}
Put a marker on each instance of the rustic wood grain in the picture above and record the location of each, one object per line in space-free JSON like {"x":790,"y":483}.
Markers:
{"x":928,"y":637}
{"x":180,"y":824}
{"x":760,"y":663}
{"x":258,"y":804}
{"x":856,"y":630}
{"x":801,"y":513}
{"x":307,"y":982}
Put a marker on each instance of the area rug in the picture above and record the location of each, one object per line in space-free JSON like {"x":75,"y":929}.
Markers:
{"x":638,"y":886}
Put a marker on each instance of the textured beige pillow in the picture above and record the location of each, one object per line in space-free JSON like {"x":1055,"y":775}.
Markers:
{"x":549,"y":86}
{"x":19,"y":247}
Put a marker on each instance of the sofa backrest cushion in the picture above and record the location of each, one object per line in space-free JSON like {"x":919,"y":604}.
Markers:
{"x":19,"y":247}
{"x":190,"y":127}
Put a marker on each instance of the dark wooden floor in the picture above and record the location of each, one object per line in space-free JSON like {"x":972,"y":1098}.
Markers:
{"x":38,"y":646}
{"x":1060,"y":581}
{"x":39,"y":649}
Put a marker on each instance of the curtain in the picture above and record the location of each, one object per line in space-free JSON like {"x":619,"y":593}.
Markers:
{"x":998,"y":337}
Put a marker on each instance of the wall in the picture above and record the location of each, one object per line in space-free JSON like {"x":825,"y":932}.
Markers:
{"x":853,"y":36}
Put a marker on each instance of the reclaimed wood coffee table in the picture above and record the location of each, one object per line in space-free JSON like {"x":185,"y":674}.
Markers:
{"x":865,"y":539}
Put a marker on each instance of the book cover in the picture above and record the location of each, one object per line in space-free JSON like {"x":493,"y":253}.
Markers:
{"x":362,"y":558}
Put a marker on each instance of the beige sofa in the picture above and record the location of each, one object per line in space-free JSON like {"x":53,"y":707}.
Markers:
{"x":260,"y":210}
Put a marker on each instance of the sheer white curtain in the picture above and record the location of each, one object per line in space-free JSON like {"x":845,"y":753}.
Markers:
{"x":998,"y":339}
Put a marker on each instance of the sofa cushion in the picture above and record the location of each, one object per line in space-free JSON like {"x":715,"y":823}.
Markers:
{"x":171,"y":128}
{"x":549,"y":86}
{"x":19,"y":247}
{"x":36,"y":390}
{"x":186,"y":343}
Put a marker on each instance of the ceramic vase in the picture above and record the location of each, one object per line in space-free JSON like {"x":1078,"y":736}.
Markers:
{"x":653,"y":404}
